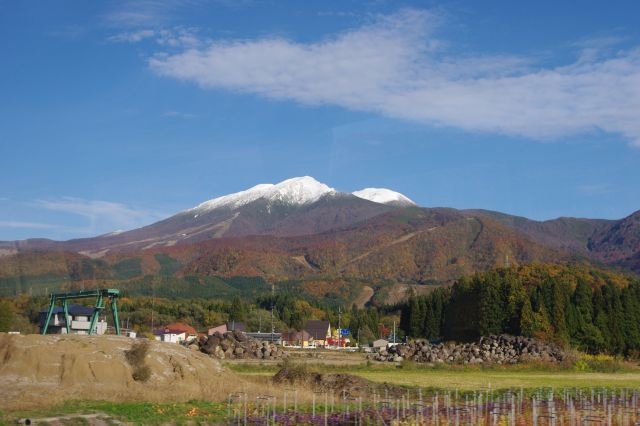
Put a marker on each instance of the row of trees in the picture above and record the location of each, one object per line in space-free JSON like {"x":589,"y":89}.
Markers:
{"x":592,"y":310}
{"x":142,"y":313}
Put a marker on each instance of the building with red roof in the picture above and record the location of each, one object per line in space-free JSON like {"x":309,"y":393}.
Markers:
{"x":176,"y":332}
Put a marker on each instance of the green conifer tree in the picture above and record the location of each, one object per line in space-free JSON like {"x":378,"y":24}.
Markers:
{"x":527,"y":319}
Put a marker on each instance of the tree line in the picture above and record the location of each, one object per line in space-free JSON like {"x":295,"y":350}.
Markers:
{"x":593,"y":310}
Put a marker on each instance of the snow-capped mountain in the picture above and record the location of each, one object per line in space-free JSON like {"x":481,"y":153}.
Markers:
{"x":384,"y":196}
{"x":296,"y":191}
{"x":294,"y":207}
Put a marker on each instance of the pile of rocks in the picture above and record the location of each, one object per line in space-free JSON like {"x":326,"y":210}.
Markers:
{"x":236,"y":345}
{"x":503,"y":349}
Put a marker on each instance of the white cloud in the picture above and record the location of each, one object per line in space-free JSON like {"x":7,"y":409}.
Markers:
{"x":396,"y":66}
{"x":176,"y":37}
{"x":28,"y":225}
{"x":103,"y":215}
{"x":136,"y":13}
{"x":132,"y":36}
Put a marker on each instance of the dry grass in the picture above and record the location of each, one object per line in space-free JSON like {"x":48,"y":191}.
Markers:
{"x":136,"y":357}
{"x":482,"y":379}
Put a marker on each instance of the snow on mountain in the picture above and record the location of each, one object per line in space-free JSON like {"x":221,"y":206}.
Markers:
{"x":112,"y":233}
{"x":296,"y":191}
{"x":383,"y":196}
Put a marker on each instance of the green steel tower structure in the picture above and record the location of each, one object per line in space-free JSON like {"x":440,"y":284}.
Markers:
{"x":110,"y":294}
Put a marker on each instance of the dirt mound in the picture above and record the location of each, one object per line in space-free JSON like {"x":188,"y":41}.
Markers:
{"x":44,"y":370}
{"x":298,"y":374}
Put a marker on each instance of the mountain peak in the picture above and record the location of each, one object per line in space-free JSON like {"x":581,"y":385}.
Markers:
{"x":297,"y":191}
{"x":384,"y":196}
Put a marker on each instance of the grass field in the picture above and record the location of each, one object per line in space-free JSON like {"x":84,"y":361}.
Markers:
{"x":479,"y":379}
{"x":467,"y":378}
{"x":193,"y":412}
{"x":199,"y":412}
{"x":463,"y":378}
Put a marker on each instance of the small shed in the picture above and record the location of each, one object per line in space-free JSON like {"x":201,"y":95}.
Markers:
{"x":379,"y":344}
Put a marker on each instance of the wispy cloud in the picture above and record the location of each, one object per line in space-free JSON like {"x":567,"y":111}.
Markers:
{"x":27,"y":225}
{"x":148,"y":13}
{"x":176,"y":37}
{"x":178,"y":114}
{"x":132,"y":36}
{"x":398,"y":67}
{"x":103,"y":215}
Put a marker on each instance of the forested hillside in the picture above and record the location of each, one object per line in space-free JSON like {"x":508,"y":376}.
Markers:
{"x":591,"y":309}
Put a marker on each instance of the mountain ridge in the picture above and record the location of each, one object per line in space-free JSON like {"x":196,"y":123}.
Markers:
{"x":303,"y":228}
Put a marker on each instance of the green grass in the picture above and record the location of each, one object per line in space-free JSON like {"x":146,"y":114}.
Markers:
{"x":482,"y":379}
{"x":192,"y":412}
{"x":469,"y":377}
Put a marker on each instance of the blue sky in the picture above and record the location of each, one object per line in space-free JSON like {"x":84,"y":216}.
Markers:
{"x":117,"y":114}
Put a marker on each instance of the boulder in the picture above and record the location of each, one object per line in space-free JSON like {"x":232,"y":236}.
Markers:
{"x":501,"y":349}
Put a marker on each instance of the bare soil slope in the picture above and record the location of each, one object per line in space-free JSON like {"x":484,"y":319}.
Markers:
{"x":36,"y":371}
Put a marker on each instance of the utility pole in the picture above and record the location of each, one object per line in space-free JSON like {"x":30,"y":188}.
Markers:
{"x":273,"y":299}
{"x":394,"y":332}
{"x":153,"y":303}
{"x":339,"y":326}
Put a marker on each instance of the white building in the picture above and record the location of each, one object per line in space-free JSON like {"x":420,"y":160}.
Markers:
{"x":80,"y":317}
{"x":171,"y":337}
{"x":176,"y":333}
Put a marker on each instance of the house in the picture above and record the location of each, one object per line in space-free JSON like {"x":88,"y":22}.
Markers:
{"x":319,"y":330}
{"x":79,"y":317}
{"x":176,"y":333}
{"x":229,"y":326}
{"x":299,"y":339}
{"x":168,"y":336}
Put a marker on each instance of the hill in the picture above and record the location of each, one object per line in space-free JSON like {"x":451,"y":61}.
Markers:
{"x":618,"y":243}
{"x":412,"y":245}
{"x":96,"y":368}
